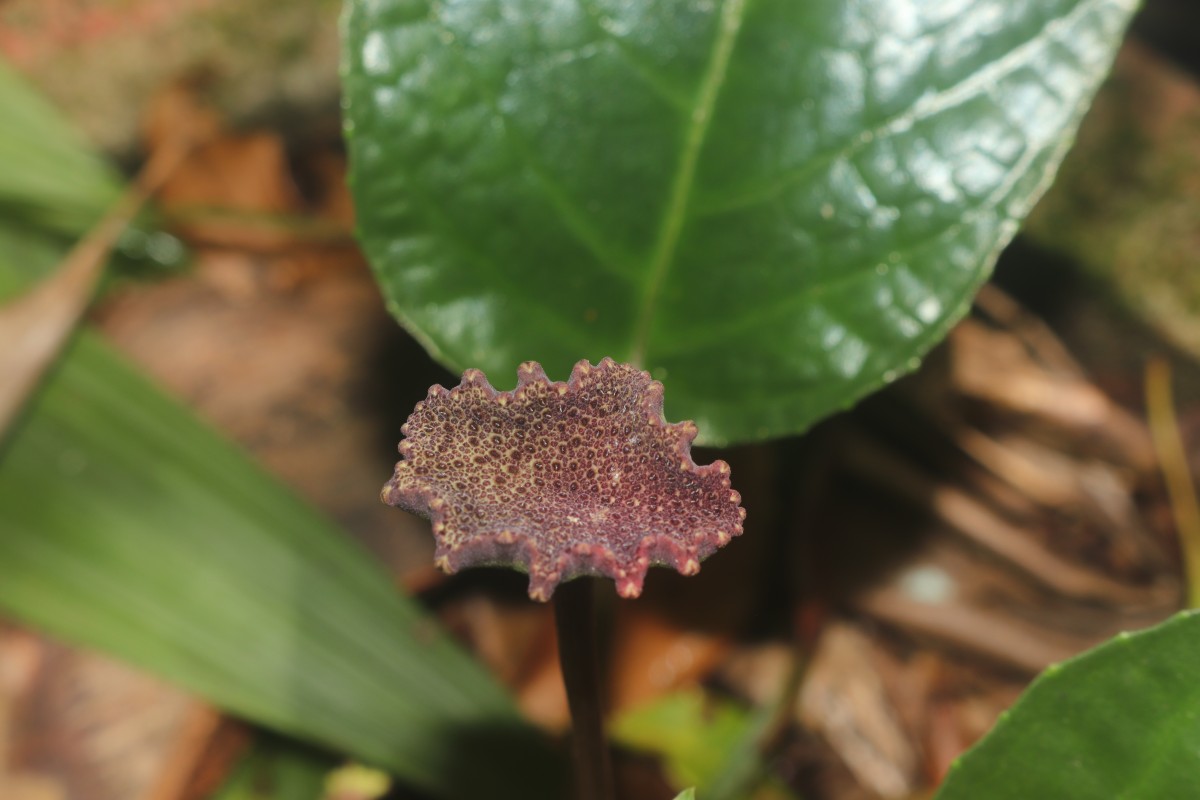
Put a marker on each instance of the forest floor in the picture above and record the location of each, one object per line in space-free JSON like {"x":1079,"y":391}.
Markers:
{"x":907,"y":567}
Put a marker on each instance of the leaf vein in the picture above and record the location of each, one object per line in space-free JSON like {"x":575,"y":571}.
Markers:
{"x":1017,"y":171}
{"x":575,"y":220}
{"x":732,"y":14}
{"x":971,"y":86}
{"x":650,"y":76}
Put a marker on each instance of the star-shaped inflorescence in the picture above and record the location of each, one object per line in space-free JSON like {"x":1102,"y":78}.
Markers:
{"x":562,"y":479}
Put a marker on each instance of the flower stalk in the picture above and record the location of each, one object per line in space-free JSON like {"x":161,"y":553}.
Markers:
{"x":575,"y":622}
{"x":565,"y":481}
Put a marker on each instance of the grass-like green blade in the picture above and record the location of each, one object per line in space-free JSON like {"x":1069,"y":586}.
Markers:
{"x":128,"y":526}
{"x":49,"y":178}
{"x":1120,"y":721}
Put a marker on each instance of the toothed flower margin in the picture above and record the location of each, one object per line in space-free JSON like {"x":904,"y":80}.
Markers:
{"x":562,"y":479}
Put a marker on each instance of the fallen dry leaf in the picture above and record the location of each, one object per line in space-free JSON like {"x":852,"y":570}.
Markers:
{"x":35,"y":326}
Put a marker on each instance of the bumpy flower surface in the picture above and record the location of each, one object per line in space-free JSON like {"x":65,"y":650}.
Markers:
{"x":562,"y":479}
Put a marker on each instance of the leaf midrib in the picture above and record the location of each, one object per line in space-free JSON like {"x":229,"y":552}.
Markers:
{"x":732,"y":14}
{"x":674,"y":216}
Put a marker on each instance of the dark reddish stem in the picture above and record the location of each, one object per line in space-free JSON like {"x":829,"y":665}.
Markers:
{"x":575,"y":619}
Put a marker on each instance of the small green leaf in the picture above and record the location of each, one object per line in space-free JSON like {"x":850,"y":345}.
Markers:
{"x":693,"y":735}
{"x":1120,"y":721}
{"x":686,"y":794}
{"x":278,"y":769}
{"x":774,"y":206}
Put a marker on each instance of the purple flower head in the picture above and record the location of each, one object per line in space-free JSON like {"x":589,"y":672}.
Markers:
{"x":562,"y":479}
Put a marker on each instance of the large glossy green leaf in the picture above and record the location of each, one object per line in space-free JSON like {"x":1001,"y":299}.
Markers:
{"x":775,"y":206}
{"x":1121,"y":721}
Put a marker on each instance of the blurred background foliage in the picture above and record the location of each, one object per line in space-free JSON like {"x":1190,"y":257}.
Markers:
{"x":260,"y":577}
